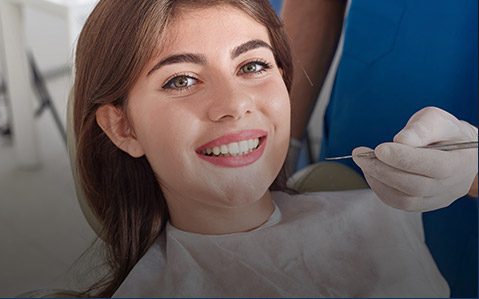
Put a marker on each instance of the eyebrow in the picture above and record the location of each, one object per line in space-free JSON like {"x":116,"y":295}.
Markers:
{"x":179,"y":58}
{"x":248,"y":46}
{"x":201,"y":59}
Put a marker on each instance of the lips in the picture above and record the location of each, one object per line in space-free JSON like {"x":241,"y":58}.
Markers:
{"x":234,"y":150}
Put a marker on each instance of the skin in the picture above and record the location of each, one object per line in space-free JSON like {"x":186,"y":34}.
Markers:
{"x":314,"y":28}
{"x":226,"y":94}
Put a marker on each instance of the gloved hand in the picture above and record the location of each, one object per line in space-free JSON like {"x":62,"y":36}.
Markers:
{"x":416,"y":179}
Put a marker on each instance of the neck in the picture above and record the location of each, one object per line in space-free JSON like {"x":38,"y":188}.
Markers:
{"x":196,"y":217}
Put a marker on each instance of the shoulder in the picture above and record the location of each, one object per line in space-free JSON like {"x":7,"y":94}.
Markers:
{"x":143,"y":278}
{"x":357,"y":226}
{"x":361,"y":200}
{"x":360,"y":208}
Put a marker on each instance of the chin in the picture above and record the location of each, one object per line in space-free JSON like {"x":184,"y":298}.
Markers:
{"x":242,"y":194}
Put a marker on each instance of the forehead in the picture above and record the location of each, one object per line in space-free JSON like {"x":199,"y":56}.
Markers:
{"x":211,"y":28}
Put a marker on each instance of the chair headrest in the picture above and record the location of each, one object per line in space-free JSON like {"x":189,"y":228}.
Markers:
{"x":90,"y":216}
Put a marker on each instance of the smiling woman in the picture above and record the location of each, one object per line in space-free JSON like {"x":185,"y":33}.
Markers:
{"x":215,"y":87}
{"x":197,"y":87}
{"x":182,"y":122}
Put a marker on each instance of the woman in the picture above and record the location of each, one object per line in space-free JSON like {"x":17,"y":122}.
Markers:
{"x":182,"y":126}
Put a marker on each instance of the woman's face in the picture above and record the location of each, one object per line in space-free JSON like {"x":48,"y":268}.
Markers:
{"x":211,"y":111}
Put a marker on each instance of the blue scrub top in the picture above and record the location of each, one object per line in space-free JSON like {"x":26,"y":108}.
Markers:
{"x":400,"y":56}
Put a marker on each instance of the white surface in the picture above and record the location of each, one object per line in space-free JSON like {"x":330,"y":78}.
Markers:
{"x":13,"y":13}
{"x":59,"y":7}
{"x":17,"y":82}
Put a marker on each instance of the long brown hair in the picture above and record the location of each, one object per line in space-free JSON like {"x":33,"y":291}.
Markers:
{"x":117,"y":41}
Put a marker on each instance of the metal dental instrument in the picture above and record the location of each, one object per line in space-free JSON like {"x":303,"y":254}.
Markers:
{"x":442,"y":147}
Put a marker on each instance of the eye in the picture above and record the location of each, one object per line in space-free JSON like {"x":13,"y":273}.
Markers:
{"x":180,"y":82}
{"x":255,"y":67}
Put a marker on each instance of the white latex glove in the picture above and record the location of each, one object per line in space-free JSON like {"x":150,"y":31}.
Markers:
{"x":415,"y":179}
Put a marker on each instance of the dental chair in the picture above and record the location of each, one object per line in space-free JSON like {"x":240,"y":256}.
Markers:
{"x":71,"y":146}
{"x":326,"y":176}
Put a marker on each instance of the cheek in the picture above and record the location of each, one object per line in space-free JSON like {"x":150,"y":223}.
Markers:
{"x":277,"y":104}
{"x":283,"y":110}
{"x":164,"y":134}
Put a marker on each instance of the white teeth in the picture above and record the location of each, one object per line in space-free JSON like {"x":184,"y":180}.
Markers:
{"x":224,"y":149}
{"x":243,"y":146}
{"x":234,"y":148}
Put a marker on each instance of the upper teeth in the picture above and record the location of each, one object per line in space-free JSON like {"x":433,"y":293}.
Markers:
{"x":234,"y":148}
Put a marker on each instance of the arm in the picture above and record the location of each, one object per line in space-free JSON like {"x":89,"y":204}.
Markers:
{"x":473,"y":192}
{"x":314,"y":28}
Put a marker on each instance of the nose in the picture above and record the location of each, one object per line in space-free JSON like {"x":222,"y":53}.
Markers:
{"x":230,"y":102}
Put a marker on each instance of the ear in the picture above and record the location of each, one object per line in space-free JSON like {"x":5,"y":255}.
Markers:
{"x":113,"y":121}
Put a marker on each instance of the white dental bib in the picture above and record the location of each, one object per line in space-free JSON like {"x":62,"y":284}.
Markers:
{"x":334,"y":244}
